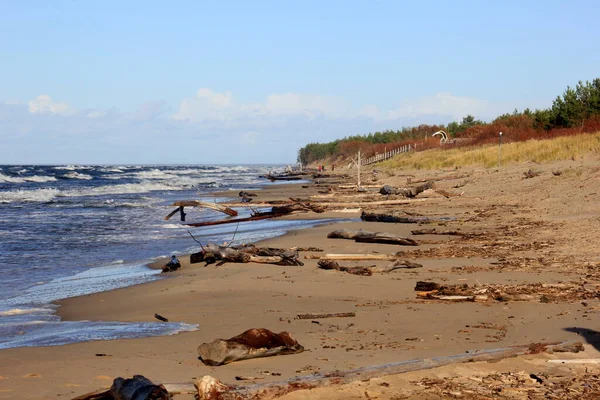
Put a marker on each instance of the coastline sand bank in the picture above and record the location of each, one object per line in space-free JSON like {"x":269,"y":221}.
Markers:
{"x":537,"y":230}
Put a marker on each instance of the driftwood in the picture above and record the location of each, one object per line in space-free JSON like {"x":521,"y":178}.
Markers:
{"x":254,"y":343}
{"x":541,"y":292}
{"x":443,"y":178}
{"x":245,"y":254}
{"x":403,"y":219}
{"x":370,"y":237}
{"x":354,"y":257}
{"x":367,"y":271}
{"x":406,"y":192}
{"x":434,"y":231}
{"x":330,"y":264}
{"x":276,"y":211}
{"x":201,"y":204}
{"x":209,"y":388}
{"x":136,"y":388}
{"x":331,"y":315}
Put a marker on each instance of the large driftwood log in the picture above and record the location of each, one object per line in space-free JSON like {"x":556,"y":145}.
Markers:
{"x":406,"y":192}
{"x":403,"y":219}
{"x":276,"y":211}
{"x":246,"y":254}
{"x":372,"y":237}
{"x":367,"y":271}
{"x":201,"y":204}
{"x":253,"y":343}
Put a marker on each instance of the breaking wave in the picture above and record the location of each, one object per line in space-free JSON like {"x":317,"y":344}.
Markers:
{"x":23,"y":179}
{"x":38,"y":195}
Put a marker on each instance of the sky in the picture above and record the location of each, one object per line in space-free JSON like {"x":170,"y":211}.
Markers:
{"x":204,"y":82}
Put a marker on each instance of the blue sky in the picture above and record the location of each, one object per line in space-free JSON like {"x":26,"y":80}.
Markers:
{"x":251,"y":82}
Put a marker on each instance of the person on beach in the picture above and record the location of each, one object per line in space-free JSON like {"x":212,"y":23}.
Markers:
{"x":172,"y":265}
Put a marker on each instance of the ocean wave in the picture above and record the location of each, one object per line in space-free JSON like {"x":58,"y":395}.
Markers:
{"x":77,"y":175}
{"x":23,"y":179}
{"x":38,"y":195}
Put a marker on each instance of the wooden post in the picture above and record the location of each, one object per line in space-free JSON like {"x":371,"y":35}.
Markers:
{"x":358,"y":167}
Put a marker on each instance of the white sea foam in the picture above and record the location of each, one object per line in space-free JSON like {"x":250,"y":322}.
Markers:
{"x":22,"y":311}
{"x":23,"y":179}
{"x":77,"y":175}
{"x":41,"y":195}
{"x":67,"y":167}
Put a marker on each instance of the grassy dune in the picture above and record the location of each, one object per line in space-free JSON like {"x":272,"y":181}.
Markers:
{"x":561,"y":148}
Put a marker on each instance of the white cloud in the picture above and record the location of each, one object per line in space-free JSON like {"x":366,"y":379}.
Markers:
{"x":211,"y":105}
{"x":43,"y":104}
{"x":441,"y":104}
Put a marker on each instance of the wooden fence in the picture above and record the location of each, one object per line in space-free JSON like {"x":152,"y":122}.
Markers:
{"x":388,"y":154}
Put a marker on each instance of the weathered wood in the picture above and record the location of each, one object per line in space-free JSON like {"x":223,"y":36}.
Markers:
{"x":404,"y":219}
{"x":423,"y":286}
{"x":328,"y":315}
{"x":353,"y":257}
{"x":400,"y":264}
{"x":406,"y":192}
{"x":372,"y":237}
{"x":203,"y":204}
{"x":254,"y":343}
{"x":330,"y":264}
{"x":442,"y":178}
{"x":246,"y":254}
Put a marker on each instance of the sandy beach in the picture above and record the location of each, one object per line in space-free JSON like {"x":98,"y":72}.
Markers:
{"x":537,"y":230}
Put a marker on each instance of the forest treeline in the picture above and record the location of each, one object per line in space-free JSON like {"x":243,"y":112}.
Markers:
{"x":576,"y":111}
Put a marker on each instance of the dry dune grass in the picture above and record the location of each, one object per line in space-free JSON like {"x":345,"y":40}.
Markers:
{"x":540,"y":151}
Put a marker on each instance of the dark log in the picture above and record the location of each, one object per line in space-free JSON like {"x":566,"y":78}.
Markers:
{"x":371,"y":237}
{"x":253,"y":343}
{"x":329,"y":264}
{"x":407,"y":192}
{"x":329,"y":315}
{"x":423,"y":286}
{"x":160,"y":318}
{"x":382,"y":217}
{"x":138,"y":388}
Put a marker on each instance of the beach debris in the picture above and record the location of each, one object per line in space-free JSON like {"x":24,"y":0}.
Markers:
{"x":200,"y":204}
{"x":102,"y":355}
{"x":557,"y":172}
{"x":358,"y":257}
{"x":371,"y":237}
{"x":253,"y":343}
{"x":330,"y":315}
{"x":276,"y":211}
{"x":434,"y":231}
{"x":541,"y":292}
{"x":367,"y":270}
{"x":248,"y":378}
{"x":210,"y":388}
{"x":530,"y":174}
{"x":136,"y":388}
{"x":330,"y":264}
{"x":406,"y":192}
{"x":409,"y":180}
{"x":160,"y":318}
{"x":402,"y":218}
{"x":212,"y":253}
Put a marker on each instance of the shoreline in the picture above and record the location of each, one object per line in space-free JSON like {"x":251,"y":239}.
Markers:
{"x":391,"y":324}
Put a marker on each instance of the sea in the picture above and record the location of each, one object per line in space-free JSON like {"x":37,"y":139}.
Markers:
{"x":71,"y":230}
